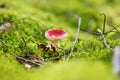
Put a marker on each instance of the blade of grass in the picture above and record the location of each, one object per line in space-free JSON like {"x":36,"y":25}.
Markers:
{"x":103,"y":31}
{"x":76,"y":40}
{"x":27,"y":51}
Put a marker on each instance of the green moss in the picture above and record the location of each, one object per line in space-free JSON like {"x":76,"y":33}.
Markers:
{"x":47,"y":14}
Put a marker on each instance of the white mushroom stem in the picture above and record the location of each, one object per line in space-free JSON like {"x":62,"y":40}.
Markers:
{"x":55,"y":42}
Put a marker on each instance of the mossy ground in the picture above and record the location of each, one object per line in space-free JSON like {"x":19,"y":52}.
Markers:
{"x":91,"y":59}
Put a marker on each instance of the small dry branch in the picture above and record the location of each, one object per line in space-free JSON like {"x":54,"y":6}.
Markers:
{"x":76,"y":40}
{"x":33,"y":62}
{"x":104,"y":39}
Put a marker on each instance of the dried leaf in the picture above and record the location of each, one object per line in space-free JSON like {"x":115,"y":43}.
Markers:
{"x":32,"y":60}
{"x":43,"y":47}
{"x":51,"y":47}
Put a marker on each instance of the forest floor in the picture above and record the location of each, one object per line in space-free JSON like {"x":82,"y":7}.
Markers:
{"x":91,"y":59}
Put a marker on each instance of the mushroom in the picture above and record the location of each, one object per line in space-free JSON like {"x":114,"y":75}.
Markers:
{"x":54,"y":35}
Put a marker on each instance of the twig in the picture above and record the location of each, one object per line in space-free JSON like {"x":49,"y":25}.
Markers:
{"x":29,"y":61}
{"x":104,"y":39}
{"x":53,"y":58}
{"x":10,"y":21}
{"x":93,"y":33}
{"x":27,"y":51}
{"x":115,"y":28}
{"x":106,"y":33}
{"x":8,"y":24}
{"x":103,"y":31}
{"x":75,"y":42}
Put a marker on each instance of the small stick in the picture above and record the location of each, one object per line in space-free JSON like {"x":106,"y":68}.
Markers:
{"x":26,"y":60}
{"x":54,"y":58}
{"x":8,"y":24}
{"x":103,"y":31}
{"x":112,"y":30}
{"x":77,"y":37}
{"x":104,"y":39}
{"x":93,"y":33}
{"x":115,"y":28}
{"x":10,"y":21}
{"x":27,"y":51}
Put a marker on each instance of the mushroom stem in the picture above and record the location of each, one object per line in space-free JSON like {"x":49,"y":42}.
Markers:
{"x":53,"y":46}
{"x":55,"y":42}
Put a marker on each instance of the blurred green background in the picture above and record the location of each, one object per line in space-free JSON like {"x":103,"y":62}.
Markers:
{"x":91,"y":59}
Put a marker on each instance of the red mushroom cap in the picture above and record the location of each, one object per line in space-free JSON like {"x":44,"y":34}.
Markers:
{"x":55,"y":34}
